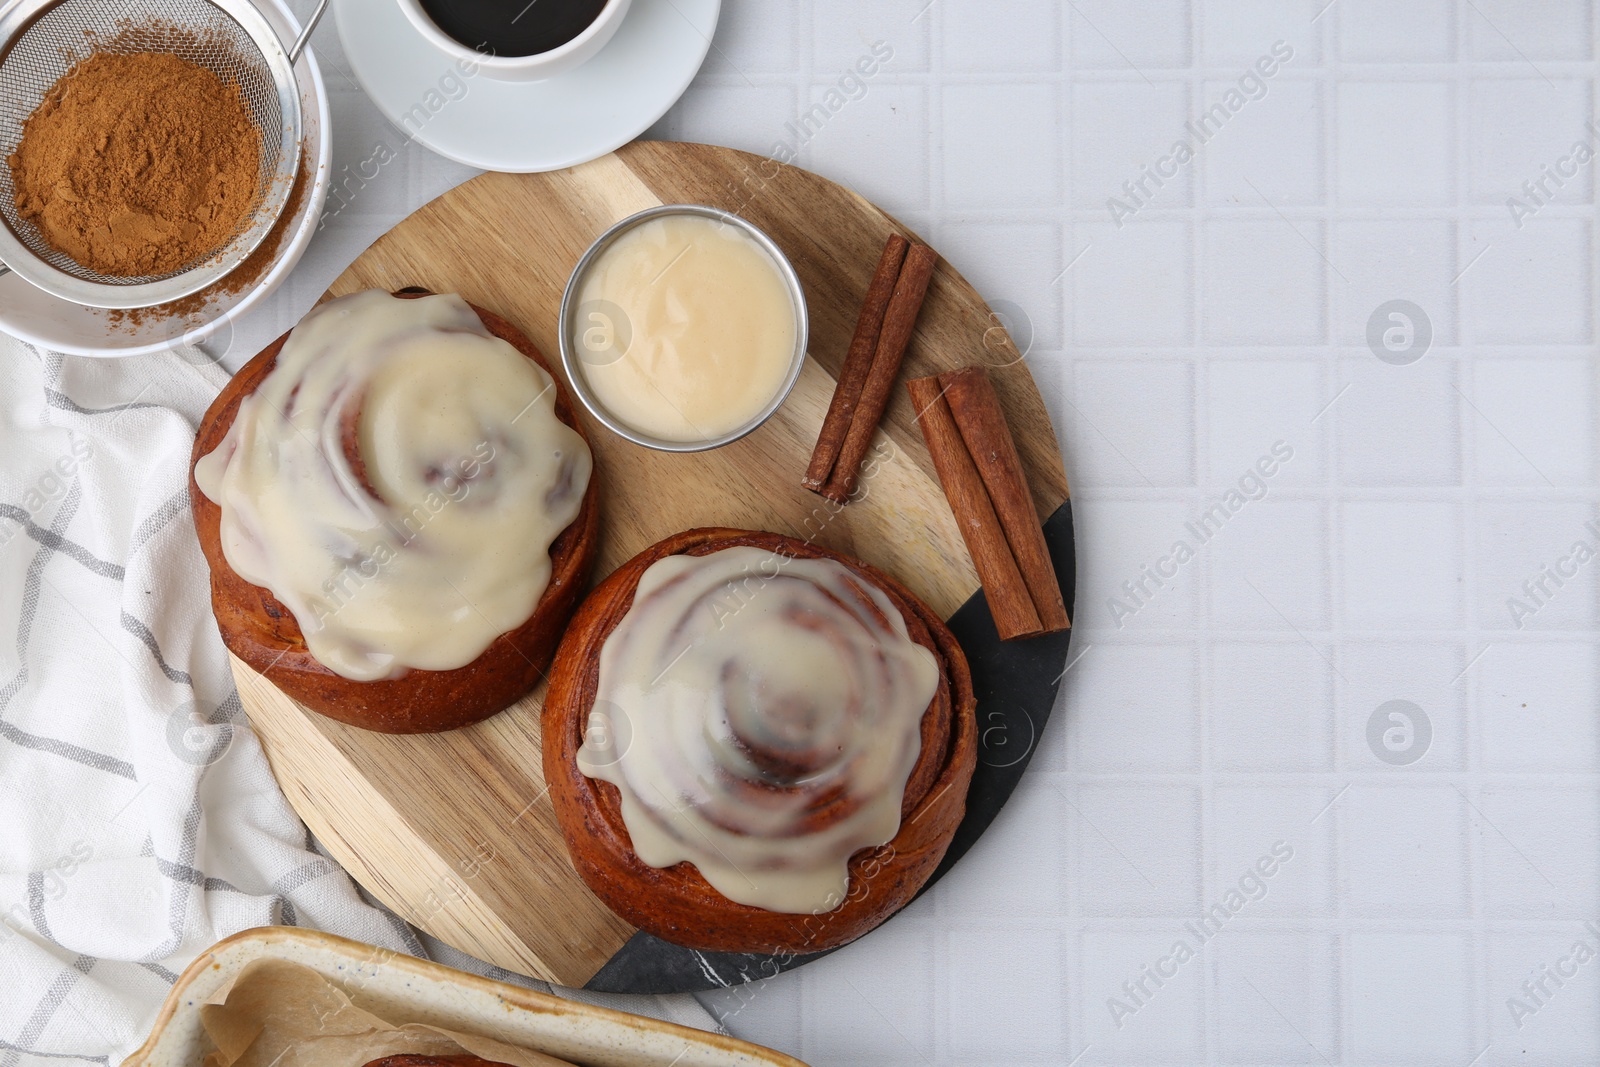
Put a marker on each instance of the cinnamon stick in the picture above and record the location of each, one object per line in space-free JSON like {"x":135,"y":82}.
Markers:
{"x":1010,"y":603}
{"x":857,"y":362}
{"x":898,"y":323}
{"x":982,"y":424}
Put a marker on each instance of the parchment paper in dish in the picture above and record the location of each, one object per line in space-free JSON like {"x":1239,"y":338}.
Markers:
{"x":282,"y":1014}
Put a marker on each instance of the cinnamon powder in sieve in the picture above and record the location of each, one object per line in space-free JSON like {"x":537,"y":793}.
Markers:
{"x":197,"y":308}
{"x":138,"y":164}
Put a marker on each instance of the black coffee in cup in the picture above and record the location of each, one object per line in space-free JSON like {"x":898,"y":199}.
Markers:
{"x":513,"y":27}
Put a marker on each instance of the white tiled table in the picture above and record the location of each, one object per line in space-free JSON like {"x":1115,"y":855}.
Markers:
{"x":1230,"y":710}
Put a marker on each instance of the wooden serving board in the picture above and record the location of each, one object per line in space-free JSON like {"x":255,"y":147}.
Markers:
{"x":455,"y":831}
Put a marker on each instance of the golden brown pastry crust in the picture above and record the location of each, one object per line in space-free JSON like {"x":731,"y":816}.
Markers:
{"x":676,"y":903}
{"x":416,"y":1060}
{"x":263,"y":633}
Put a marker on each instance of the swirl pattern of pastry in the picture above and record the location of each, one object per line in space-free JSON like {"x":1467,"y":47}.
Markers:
{"x":396,"y":481}
{"x":779,"y":739}
{"x":760,"y":716}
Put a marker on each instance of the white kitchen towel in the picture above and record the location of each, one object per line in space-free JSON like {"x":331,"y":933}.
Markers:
{"x":139,"y":822}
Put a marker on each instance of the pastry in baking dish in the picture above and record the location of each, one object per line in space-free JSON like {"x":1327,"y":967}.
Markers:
{"x":413,"y":1060}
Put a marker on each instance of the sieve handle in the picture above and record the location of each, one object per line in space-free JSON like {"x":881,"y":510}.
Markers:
{"x":299,"y":45}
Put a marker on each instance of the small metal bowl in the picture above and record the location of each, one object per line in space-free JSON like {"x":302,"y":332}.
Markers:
{"x":573,"y":360}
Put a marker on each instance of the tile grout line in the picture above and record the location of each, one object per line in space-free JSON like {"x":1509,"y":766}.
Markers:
{"x":1466,"y":514}
{"x":1200,"y":382}
{"x":1073,"y":936}
{"x":1332,"y":481}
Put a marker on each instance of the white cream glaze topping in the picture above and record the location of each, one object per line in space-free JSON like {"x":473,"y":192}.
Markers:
{"x":760,"y":716}
{"x":473,"y":473}
{"x":710,"y":323}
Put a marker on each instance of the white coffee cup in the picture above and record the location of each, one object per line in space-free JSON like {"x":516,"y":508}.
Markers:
{"x":537,"y":67}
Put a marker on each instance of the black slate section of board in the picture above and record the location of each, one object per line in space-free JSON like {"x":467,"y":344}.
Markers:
{"x":1015,"y":683}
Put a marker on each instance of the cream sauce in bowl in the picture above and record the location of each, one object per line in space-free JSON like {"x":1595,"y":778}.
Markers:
{"x":683,"y":328}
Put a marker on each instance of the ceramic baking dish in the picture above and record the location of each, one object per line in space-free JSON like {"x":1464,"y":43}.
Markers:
{"x":404,"y":989}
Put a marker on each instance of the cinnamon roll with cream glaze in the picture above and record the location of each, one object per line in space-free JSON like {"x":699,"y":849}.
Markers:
{"x":754,"y":744}
{"x":398,"y":507}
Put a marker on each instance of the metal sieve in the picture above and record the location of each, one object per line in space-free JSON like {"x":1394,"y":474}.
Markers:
{"x":41,"y":40}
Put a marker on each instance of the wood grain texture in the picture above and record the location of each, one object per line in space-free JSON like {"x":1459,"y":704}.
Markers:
{"x":455,"y":831}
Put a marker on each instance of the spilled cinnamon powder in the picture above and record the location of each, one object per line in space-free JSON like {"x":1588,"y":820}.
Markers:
{"x":138,"y":164}
{"x":196,"y":306}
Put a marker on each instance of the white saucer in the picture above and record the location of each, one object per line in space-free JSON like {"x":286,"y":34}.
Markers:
{"x":528,"y":126}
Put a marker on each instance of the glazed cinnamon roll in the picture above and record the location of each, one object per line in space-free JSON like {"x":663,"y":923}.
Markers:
{"x":754,"y":744}
{"x":397,"y":505}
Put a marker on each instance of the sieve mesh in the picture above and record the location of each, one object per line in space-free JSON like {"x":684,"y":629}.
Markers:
{"x":195,"y":30}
